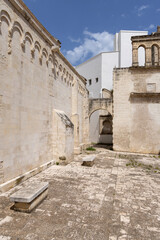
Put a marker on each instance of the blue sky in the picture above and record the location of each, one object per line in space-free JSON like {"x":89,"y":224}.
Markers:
{"x":87,"y":27}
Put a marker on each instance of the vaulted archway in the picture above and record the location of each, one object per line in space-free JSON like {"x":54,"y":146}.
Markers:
{"x":100,"y":115}
{"x":100,"y":104}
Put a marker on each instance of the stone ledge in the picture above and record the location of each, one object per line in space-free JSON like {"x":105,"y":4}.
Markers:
{"x":145,"y":94}
{"x":28,"y":194}
{"x":145,"y":68}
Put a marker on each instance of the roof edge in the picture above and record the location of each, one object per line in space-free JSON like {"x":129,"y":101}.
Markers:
{"x":30,"y":17}
{"x":70,"y":66}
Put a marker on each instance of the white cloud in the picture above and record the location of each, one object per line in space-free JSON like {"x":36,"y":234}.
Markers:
{"x":141,"y":9}
{"x":74,"y":40}
{"x":151,"y":26}
{"x":93,"y":44}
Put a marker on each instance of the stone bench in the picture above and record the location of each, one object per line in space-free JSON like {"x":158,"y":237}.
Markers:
{"x":26,"y":199}
{"x":88,"y":161}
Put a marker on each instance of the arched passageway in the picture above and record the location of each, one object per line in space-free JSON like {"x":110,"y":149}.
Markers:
{"x":105,"y":129}
{"x":100,"y":112}
{"x":96,"y":104}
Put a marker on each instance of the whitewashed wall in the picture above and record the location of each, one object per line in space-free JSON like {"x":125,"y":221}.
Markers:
{"x":109,"y":62}
{"x":92,"y":69}
{"x":124,"y":46}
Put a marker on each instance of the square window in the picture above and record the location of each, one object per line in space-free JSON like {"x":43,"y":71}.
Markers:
{"x":151,"y":87}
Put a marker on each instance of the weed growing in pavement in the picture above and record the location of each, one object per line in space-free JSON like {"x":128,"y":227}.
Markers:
{"x":90,"y":149}
{"x":149,"y":168}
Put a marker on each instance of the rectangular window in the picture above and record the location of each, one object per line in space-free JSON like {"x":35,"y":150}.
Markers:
{"x":96,"y":80}
{"x":151,"y":87}
{"x":90,"y":81}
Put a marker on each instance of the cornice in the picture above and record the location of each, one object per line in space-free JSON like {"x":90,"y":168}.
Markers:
{"x":71,"y":67}
{"x":33,"y":21}
{"x":29,"y":16}
{"x":152,"y":37}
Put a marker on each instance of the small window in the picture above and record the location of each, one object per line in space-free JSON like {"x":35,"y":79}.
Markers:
{"x":90,"y":81}
{"x":96,"y":80}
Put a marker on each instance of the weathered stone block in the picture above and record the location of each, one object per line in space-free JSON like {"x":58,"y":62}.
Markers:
{"x":28,"y":198}
{"x":88,"y":161}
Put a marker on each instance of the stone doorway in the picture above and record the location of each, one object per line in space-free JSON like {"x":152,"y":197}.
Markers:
{"x":105,"y":129}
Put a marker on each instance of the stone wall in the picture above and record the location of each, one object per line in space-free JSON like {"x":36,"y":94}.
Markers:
{"x":63,"y":136}
{"x":150,"y":44}
{"x":136,"y":122}
{"x":35,"y":79}
{"x":100,"y":103}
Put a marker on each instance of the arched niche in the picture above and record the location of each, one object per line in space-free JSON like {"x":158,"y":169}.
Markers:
{"x":155,"y":54}
{"x":50,"y":65}
{"x":44,"y":58}
{"x":4,"y":36}
{"x":105,"y":136}
{"x":29,"y":38}
{"x":36,"y":56}
{"x":28,"y":45}
{"x":37,"y":46}
{"x":5,"y":17}
{"x":16,"y":42}
{"x":17,"y":26}
{"x":37,"y":52}
{"x":141,"y":55}
{"x":106,"y":126}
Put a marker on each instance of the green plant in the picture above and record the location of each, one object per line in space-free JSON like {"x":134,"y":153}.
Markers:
{"x":57,"y":163}
{"x":128,"y":164}
{"x":146,"y":167}
{"x":90,"y":149}
{"x":157,"y":168}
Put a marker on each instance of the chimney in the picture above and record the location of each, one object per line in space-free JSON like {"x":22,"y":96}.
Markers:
{"x":158,"y":29}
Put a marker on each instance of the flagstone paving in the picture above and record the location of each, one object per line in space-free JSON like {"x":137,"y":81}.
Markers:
{"x":115,"y":199}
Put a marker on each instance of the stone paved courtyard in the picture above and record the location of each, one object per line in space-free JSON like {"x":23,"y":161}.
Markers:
{"x":116,"y":199}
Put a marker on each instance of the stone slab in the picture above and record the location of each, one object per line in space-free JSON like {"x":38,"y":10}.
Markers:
{"x":28,"y":207}
{"x":28,"y":194}
{"x":88,"y":161}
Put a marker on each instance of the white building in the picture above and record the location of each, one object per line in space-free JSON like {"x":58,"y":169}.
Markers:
{"x":99,"y":70}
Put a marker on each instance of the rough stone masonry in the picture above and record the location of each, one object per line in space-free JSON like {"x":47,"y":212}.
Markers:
{"x":136,"y":122}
